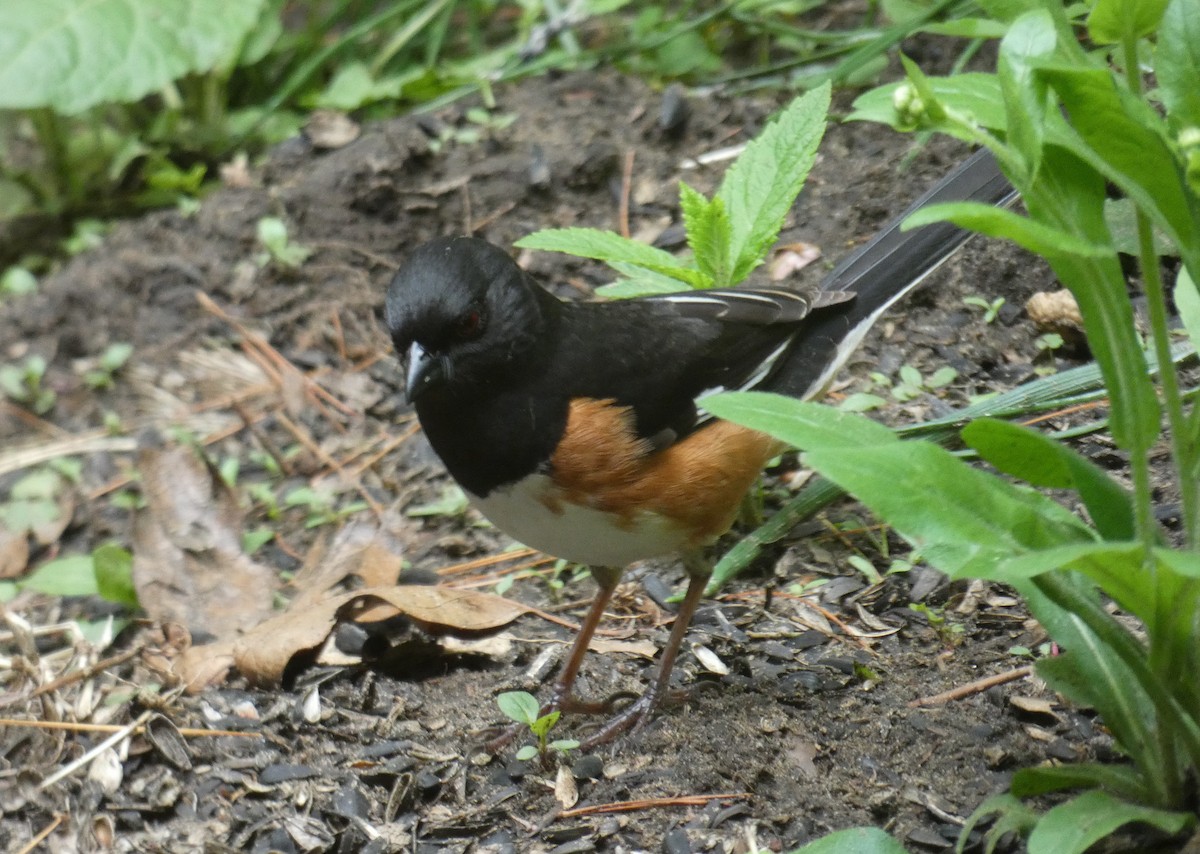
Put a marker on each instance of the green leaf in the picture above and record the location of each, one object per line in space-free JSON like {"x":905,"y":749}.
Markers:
{"x":708,"y":234}
{"x":1122,"y":136}
{"x":762,"y":184}
{"x":1031,"y":37}
{"x":1025,"y":453}
{"x":1113,"y":21}
{"x":998,"y":222}
{"x":803,"y":425}
{"x":1073,"y":827}
{"x":973,"y":94}
{"x":1177,"y":62}
{"x":74,"y":54}
{"x":520,"y":706}
{"x":113,"y":566}
{"x":966,"y":28}
{"x":609,"y":247}
{"x":639,"y":282}
{"x":1187,"y":302}
{"x":544,"y":724}
{"x":526,"y":753}
{"x":1043,"y":779}
{"x":65,"y":576}
{"x":17,"y":281}
{"x":856,"y":840}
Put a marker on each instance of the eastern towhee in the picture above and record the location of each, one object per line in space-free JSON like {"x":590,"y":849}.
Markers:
{"x":574,"y":426}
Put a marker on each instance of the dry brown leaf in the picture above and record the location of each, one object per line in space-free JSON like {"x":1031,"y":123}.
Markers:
{"x":565,"y":790}
{"x":14,"y":553}
{"x":360,"y":550}
{"x":264,"y":652}
{"x":188,"y":563}
{"x":604,"y":646}
{"x":791,"y":259}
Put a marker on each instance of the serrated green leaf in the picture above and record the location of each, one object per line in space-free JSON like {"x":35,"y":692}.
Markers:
{"x":1177,"y":62}
{"x":74,"y":54}
{"x":759,"y":188}
{"x":611,"y":248}
{"x":997,"y":222}
{"x":708,"y":234}
{"x":1073,"y":827}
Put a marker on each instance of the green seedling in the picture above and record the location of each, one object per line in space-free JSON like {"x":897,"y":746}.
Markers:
{"x":991,"y":309}
{"x":23,"y":384}
{"x":273,"y":235}
{"x":1046,"y":343}
{"x":522,"y":707}
{"x":949,"y":633}
{"x":17,"y":281}
{"x":451,"y":504}
{"x":320,"y":506}
{"x":111,"y":360}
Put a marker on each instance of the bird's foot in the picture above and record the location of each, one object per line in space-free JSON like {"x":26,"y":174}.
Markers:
{"x":633,"y":717}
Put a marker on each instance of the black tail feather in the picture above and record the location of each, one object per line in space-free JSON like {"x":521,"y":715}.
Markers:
{"x":882,"y":271}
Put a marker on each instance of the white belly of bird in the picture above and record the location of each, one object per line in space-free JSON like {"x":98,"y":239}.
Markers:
{"x":574,"y":532}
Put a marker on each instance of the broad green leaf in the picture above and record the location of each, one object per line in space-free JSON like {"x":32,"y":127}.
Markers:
{"x":1041,"y":461}
{"x":610,"y":247}
{"x":1187,"y":302}
{"x":1009,"y":10}
{"x":762,"y":184}
{"x":520,"y":706}
{"x":1030,"y":38}
{"x":972,"y":94}
{"x":1043,"y":779}
{"x":65,"y":576}
{"x":999,"y":222}
{"x":70,"y":55}
{"x":967,"y":28}
{"x":1120,"y":135}
{"x":1073,"y":827}
{"x":639,"y":282}
{"x":1177,"y":62}
{"x":1113,"y":21}
{"x":1070,"y":193}
{"x":856,"y":840}
{"x":963,"y":521}
{"x":113,"y":566}
{"x":708,"y":234}
{"x":803,"y":425}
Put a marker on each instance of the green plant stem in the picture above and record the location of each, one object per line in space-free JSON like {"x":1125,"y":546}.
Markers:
{"x":64,"y":182}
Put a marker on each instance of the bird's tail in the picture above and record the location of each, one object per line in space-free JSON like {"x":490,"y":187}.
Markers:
{"x":882,"y":271}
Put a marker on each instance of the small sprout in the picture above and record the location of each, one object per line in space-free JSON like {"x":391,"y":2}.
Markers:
{"x":273,"y":235}
{"x":450,"y":504}
{"x":522,"y":707}
{"x":88,"y":234}
{"x":23,"y":384}
{"x":255,"y":539}
{"x":320,"y":505}
{"x":866,"y":568}
{"x":113,"y":567}
{"x":948,"y":633}
{"x":991,"y":310}
{"x":1046,"y":344}
{"x":111,"y":360}
{"x":17,"y":281}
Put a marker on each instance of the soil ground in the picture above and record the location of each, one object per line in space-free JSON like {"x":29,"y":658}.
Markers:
{"x":811,"y":730}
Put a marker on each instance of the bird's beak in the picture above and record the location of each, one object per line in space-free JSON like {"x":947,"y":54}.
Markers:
{"x":424,"y":370}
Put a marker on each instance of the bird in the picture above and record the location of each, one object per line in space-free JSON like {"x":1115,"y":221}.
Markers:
{"x":576,"y":426}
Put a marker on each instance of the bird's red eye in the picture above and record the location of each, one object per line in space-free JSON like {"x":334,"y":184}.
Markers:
{"x":469,"y":325}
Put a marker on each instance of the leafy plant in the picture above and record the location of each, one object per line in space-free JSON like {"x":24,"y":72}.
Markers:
{"x":730,"y":234}
{"x":111,"y":360}
{"x":991,"y":308}
{"x":320,"y":506}
{"x":23,"y":384}
{"x":1064,"y":123}
{"x":273,"y":235}
{"x":522,"y":707}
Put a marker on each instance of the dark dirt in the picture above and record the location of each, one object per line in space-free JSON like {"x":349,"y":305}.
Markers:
{"x":810,"y":731}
